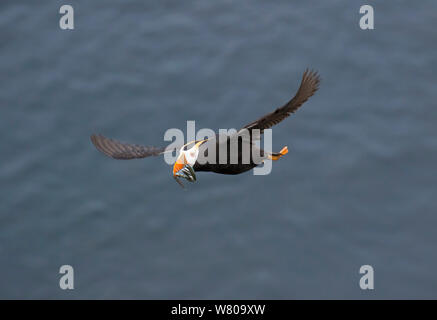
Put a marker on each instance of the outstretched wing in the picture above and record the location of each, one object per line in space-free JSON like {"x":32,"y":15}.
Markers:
{"x":309,"y":85}
{"x":124,"y":151}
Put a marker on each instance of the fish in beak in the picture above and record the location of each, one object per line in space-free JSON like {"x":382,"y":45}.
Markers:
{"x":182,"y":169}
{"x":186,"y":172}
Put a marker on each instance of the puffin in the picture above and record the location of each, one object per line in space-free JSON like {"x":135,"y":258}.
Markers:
{"x":229,"y":154}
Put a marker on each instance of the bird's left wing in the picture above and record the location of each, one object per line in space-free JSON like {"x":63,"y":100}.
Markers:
{"x":125,"y":151}
{"x":309,"y":85}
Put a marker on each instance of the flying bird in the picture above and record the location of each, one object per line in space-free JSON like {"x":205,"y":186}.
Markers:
{"x":204,"y":155}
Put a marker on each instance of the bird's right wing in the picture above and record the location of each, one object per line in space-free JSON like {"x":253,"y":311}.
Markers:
{"x":125,"y":151}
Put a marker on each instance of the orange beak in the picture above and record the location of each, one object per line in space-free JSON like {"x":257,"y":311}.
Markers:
{"x":179,"y":164}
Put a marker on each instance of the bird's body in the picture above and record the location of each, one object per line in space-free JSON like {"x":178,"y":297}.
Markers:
{"x":223,"y":148}
{"x":233,"y":154}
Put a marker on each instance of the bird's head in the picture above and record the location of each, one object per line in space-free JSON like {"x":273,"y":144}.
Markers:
{"x":183,"y":167}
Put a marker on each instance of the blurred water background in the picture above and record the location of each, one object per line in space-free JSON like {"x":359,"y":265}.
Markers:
{"x":358,"y":186}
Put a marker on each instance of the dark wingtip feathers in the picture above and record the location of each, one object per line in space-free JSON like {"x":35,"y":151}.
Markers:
{"x":312,"y":78}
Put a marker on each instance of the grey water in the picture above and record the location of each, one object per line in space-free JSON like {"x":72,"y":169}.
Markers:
{"x":358,"y":186}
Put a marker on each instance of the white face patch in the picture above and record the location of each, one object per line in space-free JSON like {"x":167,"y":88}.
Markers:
{"x":190,"y":155}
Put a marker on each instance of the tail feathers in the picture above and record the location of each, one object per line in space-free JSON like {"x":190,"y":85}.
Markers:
{"x":276,"y":155}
